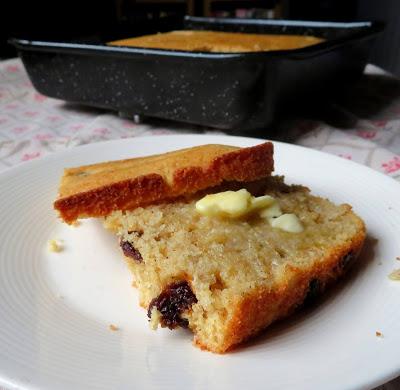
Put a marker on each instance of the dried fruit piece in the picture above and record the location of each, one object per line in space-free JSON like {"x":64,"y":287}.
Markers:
{"x":130,"y":251}
{"x":314,"y":290}
{"x":171,"y":303}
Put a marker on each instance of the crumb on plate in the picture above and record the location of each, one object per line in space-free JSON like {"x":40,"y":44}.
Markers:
{"x":395,"y":275}
{"x":397,"y":257}
{"x":75,"y":223}
{"x":113,"y":327}
{"x":55,"y":246}
{"x":378,"y":334}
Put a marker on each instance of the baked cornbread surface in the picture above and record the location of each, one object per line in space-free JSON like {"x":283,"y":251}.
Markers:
{"x":243,"y":273}
{"x":98,"y":189}
{"x":216,"y":41}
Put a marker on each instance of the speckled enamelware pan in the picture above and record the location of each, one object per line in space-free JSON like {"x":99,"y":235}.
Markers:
{"x":229,"y":91}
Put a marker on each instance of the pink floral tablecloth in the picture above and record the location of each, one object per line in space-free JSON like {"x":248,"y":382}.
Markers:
{"x":33,"y":125}
{"x":362,"y":125}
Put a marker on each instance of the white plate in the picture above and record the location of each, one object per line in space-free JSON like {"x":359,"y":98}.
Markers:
{"x":56,"y":308}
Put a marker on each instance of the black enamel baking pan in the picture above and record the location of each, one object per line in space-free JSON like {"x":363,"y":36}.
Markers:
{"x":230,"y":91}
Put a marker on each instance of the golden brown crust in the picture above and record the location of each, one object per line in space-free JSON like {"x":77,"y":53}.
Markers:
{"x":97,"y":190}
{"x":261,"y":307}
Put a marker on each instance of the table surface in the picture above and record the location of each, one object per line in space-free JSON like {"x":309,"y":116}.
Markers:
{"x":363,"y":125}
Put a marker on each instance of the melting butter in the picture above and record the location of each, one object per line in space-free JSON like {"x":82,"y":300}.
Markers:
{"x":225,"y":204}
{"x":234,"y":204}
{"x":272,"y":211}
{"x":287,"y":222}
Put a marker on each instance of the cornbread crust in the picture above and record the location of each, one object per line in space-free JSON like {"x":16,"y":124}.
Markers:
{"x":97,"y":190}
{"x":261,"y":307}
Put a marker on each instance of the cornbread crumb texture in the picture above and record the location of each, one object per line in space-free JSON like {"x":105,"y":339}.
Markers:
{"x":217,"y":41}
{"x":155,"y":318}
{"x":55,"y":246}
{"x":243,"y":273}
{"x":113,"y":327}
{"x":96,"y":190}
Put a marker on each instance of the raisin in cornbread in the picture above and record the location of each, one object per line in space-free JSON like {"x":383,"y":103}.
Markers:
{"x":219,"y":41}
{"x":226,"y":279}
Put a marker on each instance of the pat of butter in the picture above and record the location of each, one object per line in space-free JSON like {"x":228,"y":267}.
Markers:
{"x":261,"y":202}
{"x":234,"y":204}
{"x":273,"y":211}
{"x":287,"y":222}
{"x":229,"y":203}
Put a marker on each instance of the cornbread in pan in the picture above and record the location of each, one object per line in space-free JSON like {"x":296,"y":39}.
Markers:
{"x":97,"y":190}
{"x":216,"y":41}
{"x":226,"y":279}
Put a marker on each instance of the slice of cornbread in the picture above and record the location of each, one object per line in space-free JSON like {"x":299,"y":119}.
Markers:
{"x":227,"y":279}
{"x":97,"y":190}
{"x":224,"y":278}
